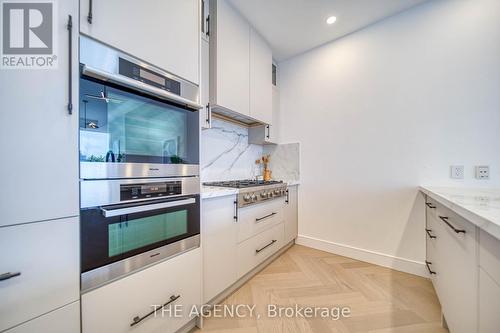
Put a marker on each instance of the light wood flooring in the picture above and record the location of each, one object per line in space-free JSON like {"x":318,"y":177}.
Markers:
{"x":381,"y":300}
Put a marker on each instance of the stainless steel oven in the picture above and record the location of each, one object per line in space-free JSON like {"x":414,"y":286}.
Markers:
{"x":136,"y":120}
{"x":129,"y":224}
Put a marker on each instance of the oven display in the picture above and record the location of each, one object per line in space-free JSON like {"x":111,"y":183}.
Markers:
{"x":151,"y":77}
{"x":150,"y":190}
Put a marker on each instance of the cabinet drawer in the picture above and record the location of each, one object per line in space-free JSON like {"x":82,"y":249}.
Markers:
{"x":257,"y":218}
{"x":489,"y":255}
{"x":255,"y":250}
{"x":112,"y":308}
{"x":46,"y":254}
{"x":489,"y":303}
{"x":63,"y":320}
{"x":430,"y":207}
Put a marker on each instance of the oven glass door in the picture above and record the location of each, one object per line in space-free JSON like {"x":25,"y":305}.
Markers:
{"x":114,"y":233}
{"x":121,"y":126}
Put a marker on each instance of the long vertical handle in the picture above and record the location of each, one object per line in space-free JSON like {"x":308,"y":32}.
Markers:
{"x":208,"y":119}
{"x":268,"y":131}
{"x":287,"y":200}
{"x":89,"y":15}
{"x":70,"y":64}
{"x":235,"y":211}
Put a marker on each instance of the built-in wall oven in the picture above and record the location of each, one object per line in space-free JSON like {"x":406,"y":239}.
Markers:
{"x":139,"y":164}
{"x":129,"y":224}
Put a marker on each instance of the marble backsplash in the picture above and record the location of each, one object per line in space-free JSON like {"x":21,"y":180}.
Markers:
{"x":226,"y":153}
{"x":285,"y":161}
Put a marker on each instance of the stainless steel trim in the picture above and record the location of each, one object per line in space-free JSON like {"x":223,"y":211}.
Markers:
{"x":105,"y":58}
{"x":103,"y":170}
{"x":138,"y":85}
{"x":103,"y":275}
{"x":145,"y":208}
{"x":96,"y":193}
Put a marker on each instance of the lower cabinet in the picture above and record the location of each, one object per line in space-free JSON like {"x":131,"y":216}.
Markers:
{"x":40,"y":269}
{"x":125,"y":305}
{"x":291,"y":213}
{"x":62,"y":320}
{"x":489,"y":304}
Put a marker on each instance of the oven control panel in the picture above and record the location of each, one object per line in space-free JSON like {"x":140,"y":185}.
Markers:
{"x":148,"y":76}
{"x":149,"y":190}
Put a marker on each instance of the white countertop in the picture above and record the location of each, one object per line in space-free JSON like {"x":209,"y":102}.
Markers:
{"x":479,"y":206}
{"x":214,"y":191}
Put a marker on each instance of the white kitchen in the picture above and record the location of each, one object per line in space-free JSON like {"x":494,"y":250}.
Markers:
{"x":250,"y":166}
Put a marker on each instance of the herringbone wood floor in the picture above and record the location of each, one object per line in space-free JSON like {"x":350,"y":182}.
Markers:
{"x":381,"y":300}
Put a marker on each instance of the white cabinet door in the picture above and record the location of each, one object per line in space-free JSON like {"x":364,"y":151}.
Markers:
{"x":291,"y":214}
{"x":113,"y":307}
{"x":489,"y":304}
{"x":39,"y":142}
{"x":219,"y":239}
{"x":205,"y":116}
{"x":261,"y":61}
{"x":230,"y":58}
{"x":46,"y":255}
{"x":63,"y":320}
{"x":165,"y":33}
{"x":274,"y":135}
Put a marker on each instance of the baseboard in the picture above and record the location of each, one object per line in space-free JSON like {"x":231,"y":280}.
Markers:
{"x":376,"y":258}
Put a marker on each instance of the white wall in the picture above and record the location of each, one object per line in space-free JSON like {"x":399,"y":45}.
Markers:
{"x":386,"y":109}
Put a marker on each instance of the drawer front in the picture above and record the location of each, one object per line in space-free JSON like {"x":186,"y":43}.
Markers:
{"x":112,"y":308}
{"x":456,"y":266}
{"x":255,"y":250}
{"x":47,"y":258}
{"x":257,"y":218}
{"x":430,"y":207}
{"x":63,"y":320}
{"x":489,"y":303}
{"x":489,"y":255}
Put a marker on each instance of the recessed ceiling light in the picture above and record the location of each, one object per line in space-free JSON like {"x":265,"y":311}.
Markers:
{"x":331,"y":20}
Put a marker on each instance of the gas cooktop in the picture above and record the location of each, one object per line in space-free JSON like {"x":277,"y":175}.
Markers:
{"x":243,"y":183}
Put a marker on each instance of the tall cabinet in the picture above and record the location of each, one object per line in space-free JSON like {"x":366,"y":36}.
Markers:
{"x":39,"y":285}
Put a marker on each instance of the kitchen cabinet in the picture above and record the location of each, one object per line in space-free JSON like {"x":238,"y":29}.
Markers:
{"x":254,"y":219}
{"x":205,"y":113}
{"x":165,"y":33}
{"x":229,"y":59}
{"x":489,"y":303}
{"x":40,"y":142}
{"x":62,"y":320}
{"x":261,"y":61}
{"x":45,"y":270}
{"x":291,"y":213}
{"x":123,"y":305}
{"x":219,"y":239}
{"x":269,"y":133}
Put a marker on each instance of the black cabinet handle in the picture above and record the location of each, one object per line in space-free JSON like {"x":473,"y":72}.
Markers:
{"x":268,"y":131}
{"x":287,"y":200}
{"x":208,"y":25}
{"x":89,"y":15}
{"x":9,"y":275}
{"x":208,"y":119}
{"x":235,"y":211}
{"x":265,"y":217}
{"x":428,"y":264}
{"x":138,"y":319}
{"x":428,"y":231}
{"x":430,"y":205}
{"x":265,"y":247}
{"x":70,"y":64}
{"x":445,"y":220}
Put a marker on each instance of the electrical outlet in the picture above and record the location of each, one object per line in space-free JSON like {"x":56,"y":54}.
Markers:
{"x":482,"y":172}
{"x":457,"y":172}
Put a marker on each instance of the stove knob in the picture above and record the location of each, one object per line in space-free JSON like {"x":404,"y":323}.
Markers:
{"x":277,"y":192}
{"x":246,"y":197}
{"x":263,"y":195}
{"x":254,"y":197}
{"x":270,"y":195}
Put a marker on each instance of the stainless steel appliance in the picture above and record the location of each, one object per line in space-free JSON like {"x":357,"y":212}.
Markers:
{"x":254,"y":191}
{"x":136,"y":120}
{"x":128,"y":224}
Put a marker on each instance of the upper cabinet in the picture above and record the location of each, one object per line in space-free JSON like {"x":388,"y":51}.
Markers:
{"x":165,"y":33}
{"x":261,"y":60}
{"x":229,"y":59}
{"x":240,"y":67}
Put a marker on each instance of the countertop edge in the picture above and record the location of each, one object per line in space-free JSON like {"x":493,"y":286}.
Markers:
{"x":484,"y":224}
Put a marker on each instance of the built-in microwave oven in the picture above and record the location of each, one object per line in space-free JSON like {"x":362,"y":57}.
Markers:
{"x":136,"y":120}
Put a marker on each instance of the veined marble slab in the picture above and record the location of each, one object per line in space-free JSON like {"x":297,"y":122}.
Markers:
{"x":285,"y":161}
{"x":479,"y":206}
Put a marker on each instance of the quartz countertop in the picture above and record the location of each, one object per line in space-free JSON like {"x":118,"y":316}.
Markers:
{"x":479,"y":206}
{"x":215,"y":191}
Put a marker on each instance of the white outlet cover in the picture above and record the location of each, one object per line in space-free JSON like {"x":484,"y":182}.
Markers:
{"x":457,"y":171}
{"x":482,"y":172}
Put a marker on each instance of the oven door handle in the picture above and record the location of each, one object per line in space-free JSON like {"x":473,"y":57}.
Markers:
{"x":145,"y":208}
{"x":138,"y":85}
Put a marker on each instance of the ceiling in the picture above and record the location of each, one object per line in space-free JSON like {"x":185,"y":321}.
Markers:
{"x":294,"y":26}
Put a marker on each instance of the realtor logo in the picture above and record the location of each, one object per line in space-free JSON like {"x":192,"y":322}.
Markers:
{"x":28,"y":35}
